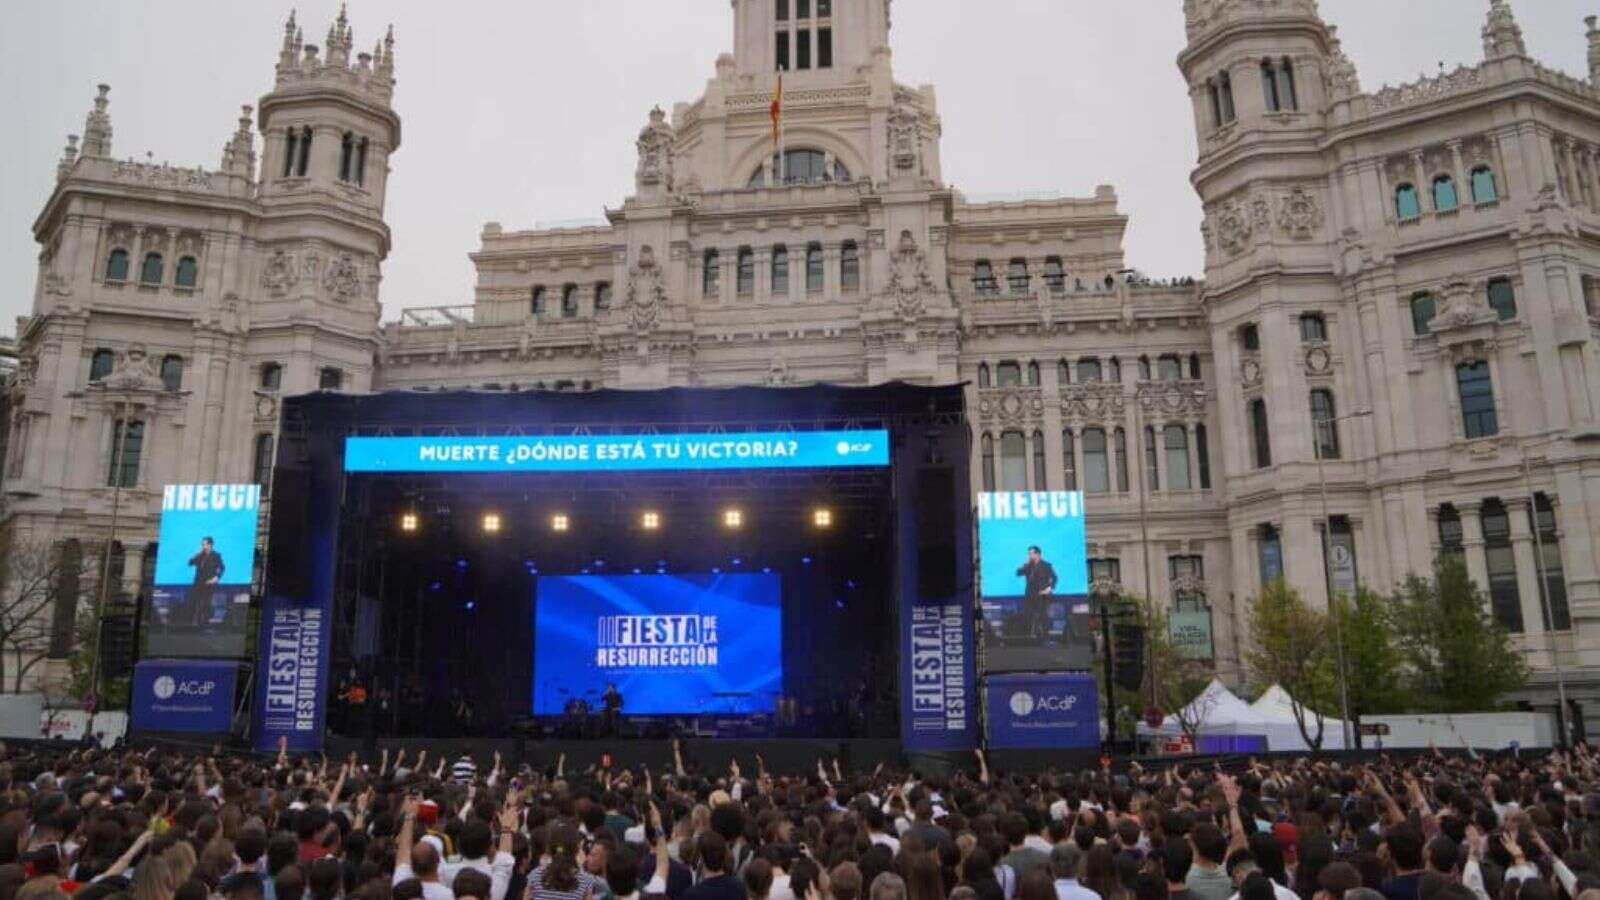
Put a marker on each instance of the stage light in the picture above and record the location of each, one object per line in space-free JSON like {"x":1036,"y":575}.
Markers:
{"x":805,"y":560}
{"x":733,"y":517}
{"x":559,"y":522}
{"x":822,"y":517}
{"x":436,"y":586}
{"x":599,"y":563}
{"x":766,"y":570}
{"x":716,"y":570}
{"x":650,"y":521}
{"x":461,"y":564}
{"x":636,"y":571}
{"x":472,"y":605}
{"x":408,"y":522}
{"x":735,"y":561}
{"x":491,"y":523}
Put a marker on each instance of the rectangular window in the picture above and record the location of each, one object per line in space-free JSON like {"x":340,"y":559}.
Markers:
{"x":850,"y":267}
{"x":127,"y":445}
{"x":1450,"y":533}
{"x":1203,"y":456}
{"x":824,"y":48}
{"x":1313,"y":329}
{"x":330,"y":379}
{"x":1260,"y":436}
{"x":1106,"y":570}
{"x":1038,"y":461}
{"x":1270,"y":552}
{"x":1013,"y":462}
{"x":263,"y":461}
{"x":1169,"y":368}
{"x":1152,"y":475}
{"x":1504,"y":597}
{"x":802,"y":49}
{"x":802,"y":9}
{"x":1477,"y":400}
{"x":1177,"y":448}
{"x":783,"y":10}
{"x":783,"y":51}
{"x":824,"y":8}
{"x":1008,"y":374}
{"x":780,"y":271}
{"x":1069,"y":468}
{"x":1503,"y":299}
{"x":1559,"y":614}
{"x":1096,"y":464}
{"x":814,"y":269}
{"x":1120,"y":444}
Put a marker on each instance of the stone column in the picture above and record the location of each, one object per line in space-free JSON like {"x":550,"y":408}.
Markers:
{"x":763,"y":286}
{"x":1463,"y":189}
{"x":1194,"y":456}
{"x":1472,"y":543}
{"x":1420,"y":178}
{"x":830,"y":270}
{"x":697,"y":266}
{"x":797,"y":273}
{"x":728,"y":274}
{"x":1522,"y":550}
{"x":1155,"y":435}
{"x":1077,"y":456}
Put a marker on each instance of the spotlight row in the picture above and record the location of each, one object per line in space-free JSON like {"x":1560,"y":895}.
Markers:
{"x":732,"y":518}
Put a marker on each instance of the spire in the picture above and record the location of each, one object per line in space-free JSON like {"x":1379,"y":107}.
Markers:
{"x":1342,"y":76}
{"x":69,"y":156}
{"x":239,"y":154}
{"x":97,"y":126}
{"x":339,"y":40}
{"x":291,"y":45}
{"x":1502,"y":37}
{"x":1594,"y":48}
{"x":386,"y":59}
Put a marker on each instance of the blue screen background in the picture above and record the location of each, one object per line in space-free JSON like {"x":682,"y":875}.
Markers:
{"x":749,"y":611}
{"x":1003,"y":547}
{"x":232,"y":531}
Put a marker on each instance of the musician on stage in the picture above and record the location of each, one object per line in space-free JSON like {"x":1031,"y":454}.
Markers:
{"x":1039,"y":578}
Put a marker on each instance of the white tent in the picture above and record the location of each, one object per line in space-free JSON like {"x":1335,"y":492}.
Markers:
{"x":1276,"y":710}
{"x":1219,"y":711}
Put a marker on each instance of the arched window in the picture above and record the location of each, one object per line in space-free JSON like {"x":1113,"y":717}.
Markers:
{"x":1088,"y":370}
{"x":1215,"y":96}
{"x":983,"y":278}
{"x":1033,"y":373}
{"x":347,"y":156}
{"x":1444,"y":194}
{"x":188,"y":272}
{"x":1503,"y":298}
{"x":1324,"y":424}
{"x":263,"y":461}
{"x":602,"y":296}
{"x":172,"y":372}
{"x":1063,"y":372}
{"x":1313,"y":328}
{"x":1008,"y":374}
{"x":101,"y":364}
{"x":271,"y":376}
{"x":569,"y":301}
{"x":361,"y":162}
{"x":291,"y":153}
{"x":1055,"y":275}
{"x":1069,"y":467}
{"x":1225,"y":95}
{"x":1269,"y":85}
{"x":1406,"y":204}
{"x":1286,"y":89}
{"x":780,"y":271}
{"x":983,"y":375}
{"x":711,"y":274}
{"x":127,"y":446}
{"x":1260,"y":438}
{"x":1250,"y":337}
{"x":1038,"y":461}
{"x":117,"y":265}
{"x":1144,"y":368}
{"x":813,"y":268}
{"x":1505,"y":599}
{"x":1423,"y":309}
{"x":1170,"y":368}
{"x":1484,"y":189}
{"x":849,"y":267}
{"x":745,"y":274}
{"x":988,"y":462}
{"x":331,"y":378}
{"x":803,"y":167}
{"x":1176,"y":441}
{"x":152,"y":269}
{"x":1202,"y":456}
{"x":1017,"y":275}
{"x":1096,"y":462}
{"x":536,"y":304}
{"x":304,"y":165}
{"x":1478,"y":417}
{"x":1114,"y":370}
{"x":1194,"y":366}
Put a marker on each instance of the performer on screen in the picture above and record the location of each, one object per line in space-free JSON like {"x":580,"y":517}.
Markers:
{"x":208,"y":568}
{"x":610,"y":710}
{"x":1039,"y":582}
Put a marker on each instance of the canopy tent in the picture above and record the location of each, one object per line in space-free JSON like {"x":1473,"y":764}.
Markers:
{"x":1218,"y":711}
{"x":1276,"y":709}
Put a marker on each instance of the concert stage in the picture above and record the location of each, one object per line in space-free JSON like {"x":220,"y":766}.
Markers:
{"x":796,"y":564}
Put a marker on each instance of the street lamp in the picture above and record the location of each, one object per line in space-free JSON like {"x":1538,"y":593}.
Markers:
{"x":1327,"y":566}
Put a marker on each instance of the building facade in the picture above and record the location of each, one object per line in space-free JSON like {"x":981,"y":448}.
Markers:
{"x":1385,"y":273}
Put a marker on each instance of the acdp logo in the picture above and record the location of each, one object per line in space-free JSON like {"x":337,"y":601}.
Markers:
{"x":164,"y":687}
{"x":1021,"y":704}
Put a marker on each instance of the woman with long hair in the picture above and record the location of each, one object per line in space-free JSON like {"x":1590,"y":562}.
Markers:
{"x":153,"y":880}
{"x":977,"y":873}
{"x":562,"y":877}
{"x":924,"y":878}
{"x":1037,"y":885}
{"x":1100,"y":873}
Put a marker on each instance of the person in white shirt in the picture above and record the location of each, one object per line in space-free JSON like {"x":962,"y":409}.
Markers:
{"x":1064,"y":860}
{"x":474,"y":845}
{"x":419,"y":861}
{"x":876,"y":833}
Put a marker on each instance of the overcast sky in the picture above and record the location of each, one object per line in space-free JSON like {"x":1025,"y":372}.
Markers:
{"x":526,"y":112}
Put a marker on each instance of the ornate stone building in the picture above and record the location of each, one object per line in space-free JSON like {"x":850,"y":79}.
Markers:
{"x":1396,"y":265}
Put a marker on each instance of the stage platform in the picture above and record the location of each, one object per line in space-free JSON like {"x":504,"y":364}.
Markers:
{"x":705,"y":755}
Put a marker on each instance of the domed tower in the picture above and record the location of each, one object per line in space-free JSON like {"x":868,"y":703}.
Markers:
{"x":330,"y":128}
{"x":1264,"y":75}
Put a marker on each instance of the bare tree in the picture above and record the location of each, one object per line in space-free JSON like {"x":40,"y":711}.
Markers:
{"x":34,"y":575}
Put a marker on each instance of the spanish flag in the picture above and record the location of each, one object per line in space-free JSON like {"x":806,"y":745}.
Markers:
{"x":777,"y":108}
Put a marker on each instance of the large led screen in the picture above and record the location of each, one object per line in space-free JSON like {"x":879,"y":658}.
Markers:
{"x":1033,"y":578}
{"x":670,"y":644}
{"x":205,"y":562}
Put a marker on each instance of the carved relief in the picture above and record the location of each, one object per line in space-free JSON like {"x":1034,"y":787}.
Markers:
{"x":903,"y":137}
{"x":343,"y":279}
{"x":1250,"y":372}
{"x":1233,"y":227}
{"x":280,"y":272}
{"x":655,"y":151}
{"x":1172,"y":400}
{"x":1318,"y":360}
{"x":909,"y":284}
{"x":1460,"y":307}
{"x":1298,"y":214}
{"x":645,"y":297}
{"x":1093,"y":401}
{"x":1011,"y":407}
{"x":135,"y":370}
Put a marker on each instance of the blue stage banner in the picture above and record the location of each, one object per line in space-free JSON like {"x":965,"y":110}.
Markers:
{"x":619,"y":453}
{"x":1046,"y":710}
{"x":1010,"y":523}
{"x":292,"y":674}
{"x":938,"y":685}
{"x":183,"y":695}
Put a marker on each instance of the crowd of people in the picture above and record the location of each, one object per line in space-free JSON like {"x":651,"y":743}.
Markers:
{"x":169,"y":823}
